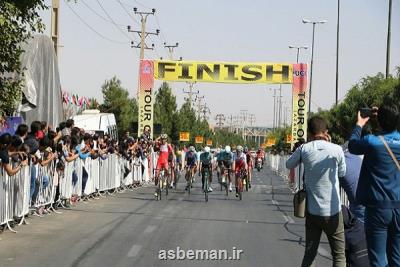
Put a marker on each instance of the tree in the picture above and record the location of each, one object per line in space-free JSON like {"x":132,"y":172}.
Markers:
{"x":165,"y":109}
{"x":117,"y":101}
{"x":19,"y":19}
{"x":369,"y":92}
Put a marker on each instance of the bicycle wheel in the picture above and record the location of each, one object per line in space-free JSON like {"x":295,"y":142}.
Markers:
{"x":206,"y":185}
{"x":159,"y":187}
{"x":190,"y":183}
{"x":247,"y":183}
{"x":167,"y":187}
{"x":240,"y":189}
{"x":176,"y":178}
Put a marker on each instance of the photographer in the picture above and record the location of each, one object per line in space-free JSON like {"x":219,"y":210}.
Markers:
{"x":379,"y":186}
{"x":7,"y":147}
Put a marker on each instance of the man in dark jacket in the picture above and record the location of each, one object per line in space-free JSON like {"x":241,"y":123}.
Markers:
{"x":379,"y":188}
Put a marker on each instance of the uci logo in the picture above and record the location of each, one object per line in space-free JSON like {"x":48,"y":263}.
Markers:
{"x":298,"y":73}
{"x":146,"y":69}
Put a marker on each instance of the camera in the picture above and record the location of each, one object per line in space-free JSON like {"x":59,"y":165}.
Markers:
{"x":366,"y":112}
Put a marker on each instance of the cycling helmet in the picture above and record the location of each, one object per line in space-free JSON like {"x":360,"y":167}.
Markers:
{"x":207,"y":149}
{"x":246,"y":149}
{"x":191,"y":148}
{"x":239,"y":148}
{"x":228,"y":149}
{"x":164,"y":136}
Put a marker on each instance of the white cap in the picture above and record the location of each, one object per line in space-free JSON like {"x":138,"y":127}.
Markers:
{"x":207,"y":149}
{"x":228,"y":149}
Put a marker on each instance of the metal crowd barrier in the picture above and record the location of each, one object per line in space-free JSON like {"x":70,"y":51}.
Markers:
{"x":293,"y":177}
{"x":14,"y":197}
{"x":104,"y":174}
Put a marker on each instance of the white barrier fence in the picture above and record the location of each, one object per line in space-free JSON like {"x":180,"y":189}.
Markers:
{"x":79,"y":179}
{"x":293,"y":177}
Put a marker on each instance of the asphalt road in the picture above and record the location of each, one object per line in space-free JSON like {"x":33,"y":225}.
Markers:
{"x":132,"y":229}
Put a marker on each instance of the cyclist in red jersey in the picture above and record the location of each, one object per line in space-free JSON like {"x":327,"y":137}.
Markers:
{"x":261,"y":154}
{"x":250,"y":164}
{"x":239,"y":163}
{"x":165,"y":150}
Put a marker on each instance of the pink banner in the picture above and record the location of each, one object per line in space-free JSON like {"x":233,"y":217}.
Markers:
{"x":146,"y":101}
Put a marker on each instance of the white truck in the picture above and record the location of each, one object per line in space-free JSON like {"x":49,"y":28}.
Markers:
{"x":92,"y":121}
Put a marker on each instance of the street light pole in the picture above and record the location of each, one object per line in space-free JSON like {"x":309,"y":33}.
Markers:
{"x":298,"y":50}
{"x":305,"y":21}
{"x":388,"y":40}
{"x":337,"y":53}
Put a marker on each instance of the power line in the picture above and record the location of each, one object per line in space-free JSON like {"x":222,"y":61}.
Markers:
{"x":127,"y":12}
{"x":100,"y":16}
{"x":140,"y":4}
{"x":162,"y":34}
{"x":93,"y":29}
{"x":116,"y":26}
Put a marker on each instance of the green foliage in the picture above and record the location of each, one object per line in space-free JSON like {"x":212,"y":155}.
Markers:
{"x":165,"y":108}
{"x":117,"y":101}
{"x":369,"y":92}
{"x":19,"y":19}
{"x":280,"y":135}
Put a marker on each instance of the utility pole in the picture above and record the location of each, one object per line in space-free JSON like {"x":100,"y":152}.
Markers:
{"x":388,"y":40}
{"x":243,"y":117}
{"x":205,"y":110}
{"x":142,"y":33}
{"x":220,"y":119}
{"x":55,"y":27}
{"x":230,"y":123}
{"x":280,"y":106}
{"x":190,"y":93}
{"x":199,"y":106}
{"x":274,"y":123}
{"x":171,"y":50}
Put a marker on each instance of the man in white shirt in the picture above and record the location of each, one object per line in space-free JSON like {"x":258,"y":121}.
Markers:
{"x":324,"y":163}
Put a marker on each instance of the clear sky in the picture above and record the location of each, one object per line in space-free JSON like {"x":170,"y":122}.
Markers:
{"x":227,"y":30}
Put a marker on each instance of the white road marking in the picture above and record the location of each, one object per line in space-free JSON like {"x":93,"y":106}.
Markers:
{"x":288,"y":219}
{"x":134,"y":251}
{"x":275,"y":202}
{"x":149,"y":229}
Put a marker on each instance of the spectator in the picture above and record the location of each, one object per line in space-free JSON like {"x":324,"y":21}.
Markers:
{"x":22,"y":131}
{"x":5,"y":148}
{"x":356,"y":245}
{"x":33,"y":143}
{"x":379,"y":186}
{"x":69,"y":125}
{"x":323,"y":164}
{"x":349,"y":182}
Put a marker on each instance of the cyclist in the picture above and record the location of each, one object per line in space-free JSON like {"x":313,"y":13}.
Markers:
{"x":191,"y":164}
{"x":165,"y":150}
{"x":225,"y":159}
{"x":172,"y":165}
{"x":239,"y":164}
{"x":206,"y":164}
{"x":250,"y":164}
{"x":260,"y":154}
